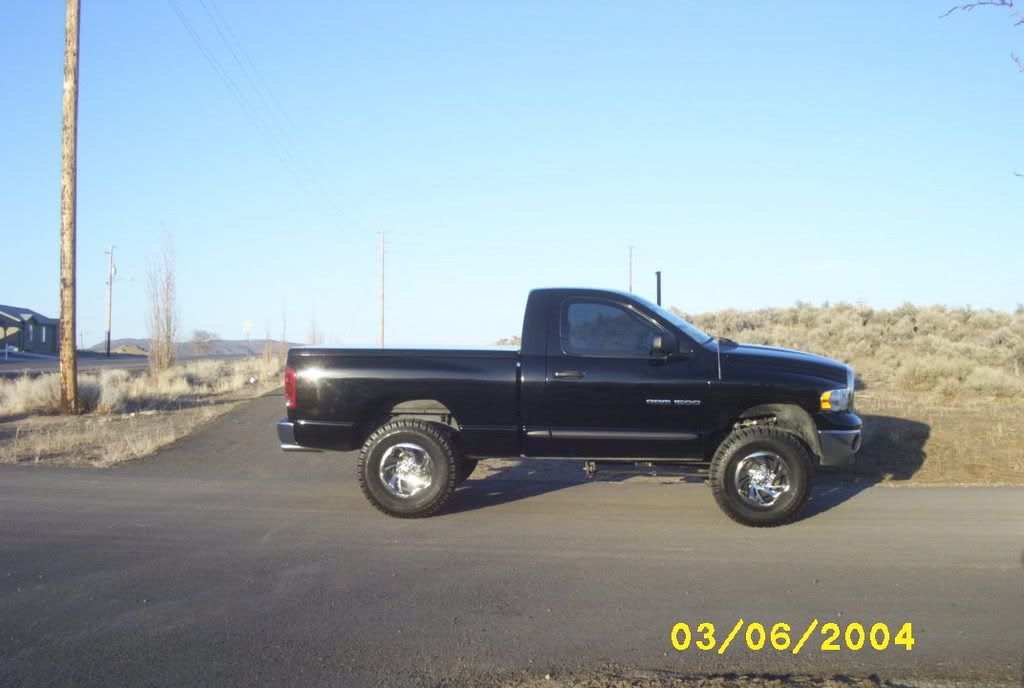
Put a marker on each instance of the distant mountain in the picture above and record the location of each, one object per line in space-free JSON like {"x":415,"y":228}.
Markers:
{"x":215,"y":347}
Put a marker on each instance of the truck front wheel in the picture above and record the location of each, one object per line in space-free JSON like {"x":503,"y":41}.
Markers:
{"x":761,"y":476}
{"x":408,"y":468}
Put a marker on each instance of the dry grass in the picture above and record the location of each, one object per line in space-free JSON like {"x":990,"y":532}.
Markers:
{"x":130,"y":413}
{"x":942,"y":389}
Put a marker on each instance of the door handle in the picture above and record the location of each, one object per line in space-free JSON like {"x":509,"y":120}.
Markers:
{"x":569,"y":374}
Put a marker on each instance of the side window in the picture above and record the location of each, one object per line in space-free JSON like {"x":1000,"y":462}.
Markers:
{"x":594,"y":328}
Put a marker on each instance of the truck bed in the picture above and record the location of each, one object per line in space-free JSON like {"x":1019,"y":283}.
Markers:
{"x":338,"y":389}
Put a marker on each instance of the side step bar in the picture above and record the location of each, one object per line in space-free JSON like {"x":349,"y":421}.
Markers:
{"x":651,"y":468}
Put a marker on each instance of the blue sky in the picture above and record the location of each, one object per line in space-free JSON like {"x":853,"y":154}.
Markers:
{"x":757,"y":153}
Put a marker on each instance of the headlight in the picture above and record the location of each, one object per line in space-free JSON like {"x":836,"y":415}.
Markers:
{"x":836,"y":400}
{"x":839,"y":399}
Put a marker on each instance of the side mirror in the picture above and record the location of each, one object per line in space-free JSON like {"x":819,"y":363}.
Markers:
{"x":664,"y":345}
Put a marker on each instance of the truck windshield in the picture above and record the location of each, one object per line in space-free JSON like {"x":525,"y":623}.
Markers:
{"x":691,"y":331}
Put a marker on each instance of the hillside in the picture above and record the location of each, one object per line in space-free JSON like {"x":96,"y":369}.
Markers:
{"x":951,"y":351}
{"x":941,"y":389}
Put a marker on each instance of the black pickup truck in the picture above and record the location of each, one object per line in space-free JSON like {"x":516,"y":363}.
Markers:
{"x":601,"y":375}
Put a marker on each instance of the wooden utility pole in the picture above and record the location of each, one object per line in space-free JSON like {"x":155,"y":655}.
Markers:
{"x":111,"y":271}
{"x":69,"y":156}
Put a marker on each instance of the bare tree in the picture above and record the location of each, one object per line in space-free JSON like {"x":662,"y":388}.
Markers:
{"x":316,"y":334}
{"x":202,"y":342}
{"x":1016,"y":13}
{"x":1017,"y":16}
{"x":284,"y":329}
{"x":269,"y":348}
{"x":163,"y":309}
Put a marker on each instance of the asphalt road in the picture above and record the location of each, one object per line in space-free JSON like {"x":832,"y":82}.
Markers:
{"x":222,"y":561}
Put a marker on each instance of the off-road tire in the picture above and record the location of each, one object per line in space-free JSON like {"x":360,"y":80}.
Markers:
{"x":742,"y":443}
{"x":464,"y":466}
{"x":439,"y":444}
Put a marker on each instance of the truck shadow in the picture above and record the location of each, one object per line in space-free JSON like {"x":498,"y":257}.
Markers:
{"x":893,"y":449}
{"x":508,"y":480}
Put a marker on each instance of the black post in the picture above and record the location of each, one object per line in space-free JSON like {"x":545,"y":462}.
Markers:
{"x":658,"y":275}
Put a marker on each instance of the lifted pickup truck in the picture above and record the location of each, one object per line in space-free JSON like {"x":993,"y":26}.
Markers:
{"x":601,"y":375}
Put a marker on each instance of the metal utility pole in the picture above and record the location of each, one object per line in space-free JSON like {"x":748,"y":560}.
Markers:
{"x":382,"y":252}
{"x":111,"y":271}
{"x":657,"y":276}
{"x":630,"y":268}
{"x":68,"y":177}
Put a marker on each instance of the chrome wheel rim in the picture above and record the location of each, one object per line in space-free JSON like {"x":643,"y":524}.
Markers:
{"x":406,"y":469}
{"x":761,"y":479}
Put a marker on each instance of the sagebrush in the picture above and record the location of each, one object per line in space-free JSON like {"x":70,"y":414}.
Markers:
{"x":935,"y":348}
{"x":132,"y":390}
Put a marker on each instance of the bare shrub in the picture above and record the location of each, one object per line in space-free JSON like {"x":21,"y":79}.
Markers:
{"x":991,"y":382}
{"x":41,"y":394}
{"x":124,"y":391}
{"x":27,"y":394}
{"x":925,"y":374}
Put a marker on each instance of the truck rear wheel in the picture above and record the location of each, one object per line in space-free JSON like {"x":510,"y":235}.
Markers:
{"x":408,"y":468}
{"x":761,"y":476}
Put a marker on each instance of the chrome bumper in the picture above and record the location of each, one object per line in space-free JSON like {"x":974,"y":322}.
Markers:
{"x":838,"y":446}
{"x":286,"y":434}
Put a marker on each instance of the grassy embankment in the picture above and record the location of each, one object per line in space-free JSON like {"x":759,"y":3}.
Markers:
{"x":128,"y":413}
{"x":942,"y":388}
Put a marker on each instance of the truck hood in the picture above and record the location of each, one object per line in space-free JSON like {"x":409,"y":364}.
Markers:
{"x":746,"y":356}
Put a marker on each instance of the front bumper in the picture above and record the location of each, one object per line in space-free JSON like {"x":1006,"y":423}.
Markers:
{"x":286,"y":434}
{"x":838,"y":447}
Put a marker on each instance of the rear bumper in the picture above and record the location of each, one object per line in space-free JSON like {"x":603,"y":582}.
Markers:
{"x":838,"y":447}
{"x":286,"y":434}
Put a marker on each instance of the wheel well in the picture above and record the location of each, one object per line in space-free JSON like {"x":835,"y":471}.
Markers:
{"x":789,"y":417}
{"x":421,"y":409}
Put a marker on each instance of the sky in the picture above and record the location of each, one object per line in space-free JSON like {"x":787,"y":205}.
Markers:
{"x":757,"y":153}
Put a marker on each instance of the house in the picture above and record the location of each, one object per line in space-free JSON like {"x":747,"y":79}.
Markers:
{"x":23,"y":329}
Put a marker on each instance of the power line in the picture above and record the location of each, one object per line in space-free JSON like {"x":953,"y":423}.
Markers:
{"x":270,"y":92}
{"x":277,"y":147}
{"x":218,"y":20}
{"x":224,"y":77}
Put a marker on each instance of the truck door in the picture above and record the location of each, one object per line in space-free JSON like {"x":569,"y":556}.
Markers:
{"x":608,"y":396}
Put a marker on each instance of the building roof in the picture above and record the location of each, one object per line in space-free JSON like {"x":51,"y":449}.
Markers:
{"x":17,"y":314}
